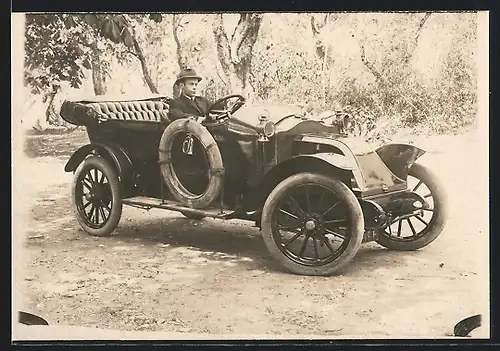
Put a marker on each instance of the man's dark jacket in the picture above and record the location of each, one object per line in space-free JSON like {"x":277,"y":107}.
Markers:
{"x":183,"y":107}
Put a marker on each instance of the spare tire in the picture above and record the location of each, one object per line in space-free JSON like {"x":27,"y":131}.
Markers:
{"x":214,"y":158}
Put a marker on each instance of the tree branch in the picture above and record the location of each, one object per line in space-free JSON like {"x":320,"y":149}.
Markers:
{"x":131,"y":53}
{"x":421,"y":25}
{"x":370,"y":66}
{"x":317,"y":29}
{"x":314,"y":27}
{"x":144,"y":66}
{"x":414,"y":44}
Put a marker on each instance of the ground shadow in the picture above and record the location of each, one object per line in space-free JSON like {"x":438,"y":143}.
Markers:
{"x":240,"y":239}
{"x":372,"y":256}
{"x":215,"y":239}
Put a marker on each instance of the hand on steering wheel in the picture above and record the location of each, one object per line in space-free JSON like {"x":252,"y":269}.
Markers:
{"x":223,"y":113}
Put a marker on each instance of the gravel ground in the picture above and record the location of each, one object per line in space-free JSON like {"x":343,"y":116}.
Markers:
{"x":161,"y":272}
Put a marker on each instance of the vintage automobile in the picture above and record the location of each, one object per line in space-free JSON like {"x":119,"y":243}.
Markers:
{"x":315,"y":193}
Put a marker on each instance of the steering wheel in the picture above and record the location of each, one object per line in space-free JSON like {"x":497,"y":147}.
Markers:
{"x":221,"y":113}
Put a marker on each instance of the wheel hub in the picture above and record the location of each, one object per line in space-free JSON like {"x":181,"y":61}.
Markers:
{"x":310,"y":224}
{"x":96,"y":194}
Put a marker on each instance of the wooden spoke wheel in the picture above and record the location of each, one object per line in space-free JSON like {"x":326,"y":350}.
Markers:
{"x":312,"y":224}
{"x":96,"y":196}
{"x":417,"y":231}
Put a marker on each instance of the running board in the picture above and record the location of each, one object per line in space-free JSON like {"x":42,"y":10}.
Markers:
{"x":152,"y":202}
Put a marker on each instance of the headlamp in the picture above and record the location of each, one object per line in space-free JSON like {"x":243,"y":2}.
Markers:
{"x":269,"y":129}
{"x":265,"y":127}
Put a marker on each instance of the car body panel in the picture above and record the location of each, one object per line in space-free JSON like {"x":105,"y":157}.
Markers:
{"x":250,"y":160}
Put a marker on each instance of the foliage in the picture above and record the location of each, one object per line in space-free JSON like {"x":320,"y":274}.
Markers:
{"x":412,"y":70}
{"x":52,"y":55}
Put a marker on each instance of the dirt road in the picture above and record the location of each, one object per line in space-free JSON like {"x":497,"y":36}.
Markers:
{"x":162,"y":272}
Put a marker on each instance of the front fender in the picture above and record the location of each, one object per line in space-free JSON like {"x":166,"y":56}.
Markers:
{"x":340,"y":161}
{"x":114,"y":154}
{"x":399,"y":157}
{"x":330,"y":164}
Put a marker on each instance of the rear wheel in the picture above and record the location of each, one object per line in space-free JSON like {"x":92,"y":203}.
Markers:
{"x":420,"y":230}
{"x":312,"y":224}
{"x":96,"y":196}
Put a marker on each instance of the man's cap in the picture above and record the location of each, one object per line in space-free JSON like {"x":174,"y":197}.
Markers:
{"x":187,"y":73}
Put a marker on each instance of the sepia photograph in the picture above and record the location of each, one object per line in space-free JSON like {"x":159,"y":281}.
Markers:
{"x":254,"y":175}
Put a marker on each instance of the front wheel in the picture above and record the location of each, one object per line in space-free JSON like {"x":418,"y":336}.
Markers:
{"x":96,"y":196}
{"x":420,"y":230}
{"x":312,"y":224}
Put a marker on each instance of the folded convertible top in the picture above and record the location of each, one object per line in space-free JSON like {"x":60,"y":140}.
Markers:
{"x":92,"y":111}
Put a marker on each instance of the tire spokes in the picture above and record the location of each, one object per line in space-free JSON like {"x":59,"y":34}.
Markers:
{"x":341,"y":220}
{"x":330,"y":208}
{"x":303,"y":247}
{"x":316,"y":251}
{"x":288,"y":214}
{"x":93,"y":198}
{"x":327,"y":243}
{"x":320,"y":201}
{"x":101,"y":210}
{"x":305,"y":205}
{"x":97,"y":215}
{"x":329,"y":231}
{"x":85,"y":184}
{"x":422,"y":220}
{"x":296,"y":205}
{"x":417,"y":186}
{"x":308,"y":200}
{"x":425,"y":215}
{"x":289,"y":227}
{"x":411,"y":226}
{"x":292,"y":239}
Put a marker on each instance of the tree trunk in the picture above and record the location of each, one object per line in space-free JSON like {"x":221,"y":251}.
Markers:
{"x":181,"y":58}
{"x":98,"y":73}
{"x":51,"y":117}
{"x":318,"y":27}
{"x":144,"y":66}
{"x":235,"y":56}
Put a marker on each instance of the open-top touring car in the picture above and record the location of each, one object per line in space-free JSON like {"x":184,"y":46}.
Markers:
{"x":315,"y":193}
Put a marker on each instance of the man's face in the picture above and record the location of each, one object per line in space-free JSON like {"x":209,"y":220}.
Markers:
{"x":189,"y":87}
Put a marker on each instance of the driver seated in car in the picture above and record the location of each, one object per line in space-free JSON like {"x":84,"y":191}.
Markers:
{"x":188,"y":104}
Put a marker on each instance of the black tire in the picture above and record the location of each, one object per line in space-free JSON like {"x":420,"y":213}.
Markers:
{"x":214,"y":160}
{"x":104,"y":198}
{"x":193,"y":216}
{"x":327,"y":191}
{"x":435,"y":224}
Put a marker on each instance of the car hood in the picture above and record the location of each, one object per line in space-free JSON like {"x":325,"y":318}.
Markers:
{"x":276,"y":112}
